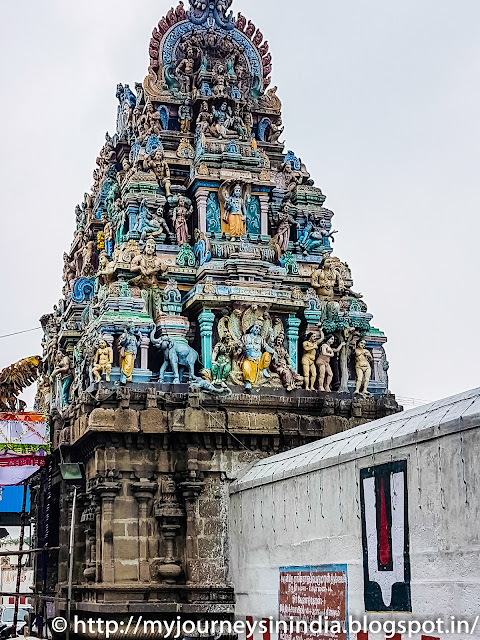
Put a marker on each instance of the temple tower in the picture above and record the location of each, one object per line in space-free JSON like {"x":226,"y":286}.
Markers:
{"x":204,"y":324}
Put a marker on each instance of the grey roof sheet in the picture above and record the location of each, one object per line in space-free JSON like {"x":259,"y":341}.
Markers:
{"x":449,"y":415}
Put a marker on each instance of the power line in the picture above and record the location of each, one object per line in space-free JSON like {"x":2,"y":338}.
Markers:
{"x":17,"y":333}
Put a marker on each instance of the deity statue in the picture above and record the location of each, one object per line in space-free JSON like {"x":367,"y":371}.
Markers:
{"x":325,"y":279}
{"x":185,"y":116}
{"x":153,"y":120}
{"x":69,"y":274}
{"x":282,"y":365}
{"x":63,"y":368}
{"x":285,"y":222}
{"x":238,"y":125}
{"x":275,"y":131}
{"x":310,"y":347}
{"x":202,"y":248}
{"x":222,"y":360}
{"x":80,"y":217}
{"x":185,"y":70}
{"x":258,"y":357}
{"x":221,"y":121}
{"x":363,"y":368}
{"x":106,"y":270}
{"x":313,"y":234}
{"x":103,"y":361}
{"x":235,"y":213}
{"x":148,"y":264}
{"x":180,"y":217}
{"x":89,"y":259}
{"x":156,"y":161}
{"x":325,"y":373}
{"x":129,"y":343}
{"x":219,"y":80}
{"x":119,"y":219}
{"x":109,"y":238}
{"x":204,"y":119}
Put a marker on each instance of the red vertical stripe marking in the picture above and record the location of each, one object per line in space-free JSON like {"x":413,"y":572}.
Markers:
{"x":385,"y":551}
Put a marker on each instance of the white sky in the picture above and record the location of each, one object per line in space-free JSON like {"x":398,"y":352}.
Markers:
{"x":381,"y":100}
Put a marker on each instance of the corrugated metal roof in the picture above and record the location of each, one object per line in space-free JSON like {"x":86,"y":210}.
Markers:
{"x":449,"y":415}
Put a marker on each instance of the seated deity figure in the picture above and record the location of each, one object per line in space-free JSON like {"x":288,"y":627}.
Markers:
{"x":103,"y":361}
{"x":129,"y":343}
{"x":363,"y":369}
{"x":325,"y":373}
{"x":156,"y":161}
{"x":236,"y":214}
{"x":258,"y":357}
{"x":148,"y":265}
{"x":221,"y":121}
{"x":310,"y":347}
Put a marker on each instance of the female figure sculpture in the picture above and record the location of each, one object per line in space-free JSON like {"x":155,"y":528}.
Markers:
{"x":282,"y":365}
{"x":181,"y":214}
{"x":222,"y":361}
{"x":285,"y":223}
{"x":325,"y":373}
{"x":363,"y":368}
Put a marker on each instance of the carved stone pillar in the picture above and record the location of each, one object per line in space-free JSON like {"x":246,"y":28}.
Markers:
{"x":144,"y":352}
{"x":312,"y":316}
{"x":191,"y":490}
{"x":89,"y":519}
{"x":144,"y":492}
{"x":264,"y":203}
{"x":169,"y":515}
{"x":201,"y":196}
{"x":108,"y":492}
{"x":293,"y":328}
{"x":206,"y":320}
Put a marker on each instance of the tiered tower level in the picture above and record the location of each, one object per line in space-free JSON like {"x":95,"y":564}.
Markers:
{"x":204,"y":323}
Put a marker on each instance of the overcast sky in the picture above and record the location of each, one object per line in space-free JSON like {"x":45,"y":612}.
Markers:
{"x":381,"y":100}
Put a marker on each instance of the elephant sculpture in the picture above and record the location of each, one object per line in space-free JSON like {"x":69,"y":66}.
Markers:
{"x":176,"y":355}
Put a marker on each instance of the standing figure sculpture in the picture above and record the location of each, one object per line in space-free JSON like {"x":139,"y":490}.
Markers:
{"x":185,"y":116}
{"x":325,"y":373}
{"x":63,"y":368}
{"x":103,"y":361}
{"x":181,"y":214}
{"x":129,"y":343}
{"x":235,"y":214}
{"x":156,"y":161}
{"x":363,"y":369}
{"x":258,"y":357}
{"x":285,"y":222}
{"x":310,"y":347}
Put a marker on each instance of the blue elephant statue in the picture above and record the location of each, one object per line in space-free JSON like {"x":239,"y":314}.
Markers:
{"x":176,"y":355}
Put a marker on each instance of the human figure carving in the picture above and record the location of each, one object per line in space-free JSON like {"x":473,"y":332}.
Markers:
{"x":129,"y":343}
{"x":103,"y":361}
{"x":236,"y":213}
{"x":148,"y":265}
{"x":181,"y":214}
{"x":310,"y":347}
{"x":363,"y":368}
{"x":325,"y":373}
{"x":156,"y":161}
{"x":185,"y":116}
{"x":258,"y":357}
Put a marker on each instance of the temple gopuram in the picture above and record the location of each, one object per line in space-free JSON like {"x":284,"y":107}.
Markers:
{"x":205,"y":323}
